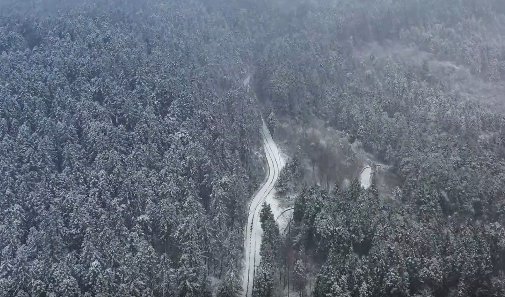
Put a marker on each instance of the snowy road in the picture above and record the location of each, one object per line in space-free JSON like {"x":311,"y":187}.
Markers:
{"x":253,"y":232}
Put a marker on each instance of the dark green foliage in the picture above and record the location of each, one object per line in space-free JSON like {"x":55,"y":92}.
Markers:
{"x":230,"y":287}
{"x":264,"y":280}
{"x":272,"y":123}
{"x":289,"y":177}
{"x":300,"y":276}
{"x":377,"y":249}
{"x":270,"y":241}
{"x":405,"y":79}
{"x":126,"y":143}
{"x":270,"y":257}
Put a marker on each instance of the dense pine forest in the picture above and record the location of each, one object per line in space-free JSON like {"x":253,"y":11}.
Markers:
{"x":130,"y":146}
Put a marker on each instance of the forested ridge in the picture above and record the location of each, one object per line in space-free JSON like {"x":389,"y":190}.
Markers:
{"x":129,"y":145}
{"x":442,"y":232}
{"x":126,"y":154}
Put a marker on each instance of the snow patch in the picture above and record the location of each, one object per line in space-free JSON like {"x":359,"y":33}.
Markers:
{"x":365,"y":177}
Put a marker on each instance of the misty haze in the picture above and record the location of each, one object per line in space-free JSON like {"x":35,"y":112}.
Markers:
{"x":252,"y":148}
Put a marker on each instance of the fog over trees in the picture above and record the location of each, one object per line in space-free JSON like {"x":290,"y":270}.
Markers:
{"x":130,"y":146}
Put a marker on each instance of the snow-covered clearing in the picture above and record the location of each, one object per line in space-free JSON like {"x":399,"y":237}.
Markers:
{"x":365,"y":178}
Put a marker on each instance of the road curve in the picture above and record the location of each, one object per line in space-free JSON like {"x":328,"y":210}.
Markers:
{"x":253,"y":232}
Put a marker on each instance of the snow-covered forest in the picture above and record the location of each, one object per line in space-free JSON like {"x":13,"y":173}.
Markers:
{"x":134,"y":141}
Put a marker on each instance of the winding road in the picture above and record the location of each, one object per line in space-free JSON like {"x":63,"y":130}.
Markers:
{"x":253,"y":231}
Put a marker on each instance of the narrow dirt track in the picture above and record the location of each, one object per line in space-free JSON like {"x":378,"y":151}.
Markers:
{"x":253,"y":232}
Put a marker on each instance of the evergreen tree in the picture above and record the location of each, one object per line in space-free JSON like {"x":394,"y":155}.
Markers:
{"x":230,"y":286}
{"x":300,"y":277}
